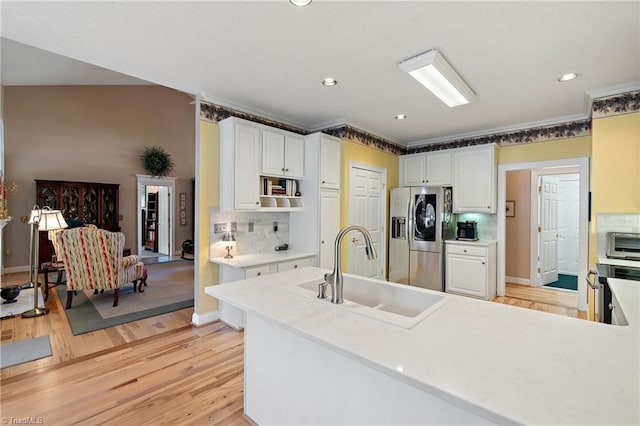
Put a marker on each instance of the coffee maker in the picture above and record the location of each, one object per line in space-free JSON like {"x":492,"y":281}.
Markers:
{"x":467,"y":231}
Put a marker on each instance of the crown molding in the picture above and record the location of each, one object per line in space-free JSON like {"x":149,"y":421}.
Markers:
{"x":619,"y":104}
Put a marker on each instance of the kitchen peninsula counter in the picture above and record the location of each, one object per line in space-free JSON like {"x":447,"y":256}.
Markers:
{"x":500,"y":363}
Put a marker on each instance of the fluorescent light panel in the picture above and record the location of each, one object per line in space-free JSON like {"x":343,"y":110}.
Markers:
{"x":434,"y":73}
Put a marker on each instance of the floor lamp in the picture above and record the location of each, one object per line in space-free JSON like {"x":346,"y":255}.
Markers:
{"x":41,"y":219}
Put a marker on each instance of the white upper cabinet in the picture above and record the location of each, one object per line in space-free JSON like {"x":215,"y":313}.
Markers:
{"x":474,"y":180}
{"x":330,"y":154}
{"x":433,"y":169}
{"x":282,"y":155}
{"x":294,"y":157}
{"x":239,"y":165}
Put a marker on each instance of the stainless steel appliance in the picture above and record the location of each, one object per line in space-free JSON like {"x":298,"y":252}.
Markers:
{"x":420,"y":222}
{"x":602,"y":273}
{"x":623,"y":245}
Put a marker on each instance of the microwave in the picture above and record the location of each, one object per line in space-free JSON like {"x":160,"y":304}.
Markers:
{"x":623,"y":245}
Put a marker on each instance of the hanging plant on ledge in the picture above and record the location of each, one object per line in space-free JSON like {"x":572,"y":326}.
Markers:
{"x":156,"y":161}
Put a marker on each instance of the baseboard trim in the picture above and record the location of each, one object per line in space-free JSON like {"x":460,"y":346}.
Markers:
{"x":517,"y":280}
{"x":14,"y":269}
{"x":202,"y":319}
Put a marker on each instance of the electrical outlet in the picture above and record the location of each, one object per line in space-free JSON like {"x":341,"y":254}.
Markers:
{"x":8,"y":252}
{"x":275,"y":226}
{"x":234,"y":226}
{"x":250,"y":227}
{"x":219,"y":228}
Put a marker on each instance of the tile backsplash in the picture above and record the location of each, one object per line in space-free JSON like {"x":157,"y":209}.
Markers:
{"x":262,"y":239}
{"x":613,"y":222}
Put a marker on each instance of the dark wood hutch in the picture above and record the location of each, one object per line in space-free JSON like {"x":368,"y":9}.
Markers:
{"x":93,"y":203}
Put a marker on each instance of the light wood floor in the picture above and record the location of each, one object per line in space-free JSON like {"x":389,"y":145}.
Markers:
{"x":158,"y":370}
{"x":542,"y":299}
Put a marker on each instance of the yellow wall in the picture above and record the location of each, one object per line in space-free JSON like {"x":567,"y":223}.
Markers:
{"x":208,"y":189}
{"x":544,"y":151}
{"x":353,"y":151}
{"x":615,"y":180}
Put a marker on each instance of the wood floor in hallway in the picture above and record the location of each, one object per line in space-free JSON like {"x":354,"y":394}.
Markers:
{"x":159,"y":370}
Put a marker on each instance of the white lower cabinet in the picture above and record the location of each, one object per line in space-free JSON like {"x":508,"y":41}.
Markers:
{"x":470,"y":269}
{"x":617,"y":316}
{"x":234,"y":317}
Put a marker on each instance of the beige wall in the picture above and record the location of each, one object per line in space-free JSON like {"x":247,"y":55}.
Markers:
{"x":95,"y":134}
{"x":518,"y":227}
{"x":353,"y":151}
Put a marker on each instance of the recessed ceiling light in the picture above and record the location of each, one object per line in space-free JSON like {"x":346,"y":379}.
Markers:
{"x":568,"y":77}
{"x":329,"y":82}
{"x":300,"y":2}
{"x":400,"y":117}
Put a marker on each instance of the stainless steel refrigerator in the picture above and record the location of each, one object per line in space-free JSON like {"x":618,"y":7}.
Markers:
{"x":421,"y":220}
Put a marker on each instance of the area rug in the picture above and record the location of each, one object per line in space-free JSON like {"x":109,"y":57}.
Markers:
{"x":24,"y":351}
{"x":169,"y":288}
{"x":566,"y":282}
{"x":23,"y":303}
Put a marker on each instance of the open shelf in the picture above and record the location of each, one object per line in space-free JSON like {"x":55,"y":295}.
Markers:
{"x":280,"y":203}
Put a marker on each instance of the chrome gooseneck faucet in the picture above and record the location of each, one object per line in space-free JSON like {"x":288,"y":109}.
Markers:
{"x":334,"y":279}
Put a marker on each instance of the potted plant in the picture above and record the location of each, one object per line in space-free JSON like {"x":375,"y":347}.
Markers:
{"x":156,"y":161}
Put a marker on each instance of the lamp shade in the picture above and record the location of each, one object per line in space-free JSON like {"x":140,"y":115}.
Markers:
{"x":47,"y":219}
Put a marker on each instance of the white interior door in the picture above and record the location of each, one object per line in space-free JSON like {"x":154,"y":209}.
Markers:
{"x":568,"y":229}
{"x":163,"y":220}
{"x":367,"y":204}
{"x":548,"y":230}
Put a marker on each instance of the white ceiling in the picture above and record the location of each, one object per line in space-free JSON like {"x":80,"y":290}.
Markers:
{"x":269,"y":57}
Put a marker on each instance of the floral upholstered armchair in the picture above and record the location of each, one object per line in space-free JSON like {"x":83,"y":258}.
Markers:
{"x":93,"y":260}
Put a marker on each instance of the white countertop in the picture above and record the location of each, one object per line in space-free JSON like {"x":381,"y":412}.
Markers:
{"x":496,"y":360}
{"x":256,"y":259}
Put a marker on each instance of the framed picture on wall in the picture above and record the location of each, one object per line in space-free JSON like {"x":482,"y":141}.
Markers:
{"x":510,"y":209}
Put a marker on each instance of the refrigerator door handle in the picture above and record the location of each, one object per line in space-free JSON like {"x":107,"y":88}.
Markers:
{"x":410,"y":221}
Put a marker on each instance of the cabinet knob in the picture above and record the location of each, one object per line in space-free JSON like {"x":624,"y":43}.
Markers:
{"x":427,"y":181}
{"x":259,"y":273}
{"x":483,"y":263}
{"x":489,"y":207}
{"x":282,"y":169}
{"x":257,"y":202}
{"x":322,"y":181}
{"x":322,"y":242}
{"x":295,"y":266}
{"x":286,"y":170}
{"x":465,"y":250}
{"x":611,"y":306}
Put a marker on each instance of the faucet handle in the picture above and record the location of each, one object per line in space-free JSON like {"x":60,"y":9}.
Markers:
{"x":322,"y":290}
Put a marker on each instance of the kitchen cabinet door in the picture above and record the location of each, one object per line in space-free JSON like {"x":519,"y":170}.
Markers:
{"x":247,"y":167}
{"x":330,"y":153}
{"x":273,"y":148}
{"x":329,"y":222}
{"x":466,"y":275}
{"x":474,"y":180}
{"x":293,"y":157}
{"x":413,"y":170}
{"x":438,"y":169}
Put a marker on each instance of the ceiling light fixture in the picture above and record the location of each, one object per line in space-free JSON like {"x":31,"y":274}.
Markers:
{"x":300,"y":3}
{"x":329,"y":82}
{"x":567,"y":77}
{"x":400,"y":117}
{"x":434,"y":73}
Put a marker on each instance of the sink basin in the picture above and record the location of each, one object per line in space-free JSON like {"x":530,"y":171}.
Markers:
{"x":392,"y":303}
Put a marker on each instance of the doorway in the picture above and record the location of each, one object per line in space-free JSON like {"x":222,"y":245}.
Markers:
{"x":155,"y":218}
{"x":367,"y":207}
{"x":575,"y":166}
